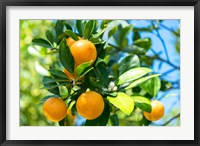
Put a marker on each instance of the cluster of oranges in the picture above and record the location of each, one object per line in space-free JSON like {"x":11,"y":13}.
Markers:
{"x":90,"y":104}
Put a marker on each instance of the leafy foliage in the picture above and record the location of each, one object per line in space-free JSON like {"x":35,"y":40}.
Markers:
{"x":121,"y":73}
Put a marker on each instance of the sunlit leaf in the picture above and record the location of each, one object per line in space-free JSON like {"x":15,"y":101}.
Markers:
{"x":141,"y":80}
{"x":124,"y":102}
{"x":99,"y":33}
{"x":83,"y":68}
{"x":133,"y":74}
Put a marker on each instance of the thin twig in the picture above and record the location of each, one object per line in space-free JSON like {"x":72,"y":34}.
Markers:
{"x":171,"y":120}
{"x":169,"y":29}
{"x":155,"y":57}
{"x":163,"y":43}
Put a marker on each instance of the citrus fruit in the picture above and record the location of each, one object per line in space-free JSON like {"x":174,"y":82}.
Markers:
{"x":71,"y":41}
{"x":83,"y":51}
{"x":157,"y":111}
{"x":90,"y":105}
{"x":54,"y":109}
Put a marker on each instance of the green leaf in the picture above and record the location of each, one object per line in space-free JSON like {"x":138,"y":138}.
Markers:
{"x":152,"y":86}
{"x":59,"y":27}
{"x":72,"y":35}
{"x":89,"y":28}
{"x":94,"y":82}
{"x":102,"y":120}
{"x":41,"y":42}
{"x":102,"y":73}
{"x":49,"y":36}
{"x":66,"y":57}
{"x":61,"y":37}
{"x":99,"y":33}
{"x":95,"y":40}
{"x":133,"y":74}
{"x":110,"y":94}
{"x":142,"y":103}
{"x":114,"y":120}
{"x":143,"y":43}
{"x":112,"y":31}
{"x":82,"y":68}
{"x":58,"y":73}
{"x":68,"y":26}
{"x":50,"y":86}
{"x":124,"y":102}
{"x":139,"y":81}
{"x":135,"y":49}
{"x":130,"y":61}
{"x":136,"y":35}
{"x":48,"y":82}
{"x":96,"y":26}
{"x":80,"y":26}
{"x":124,"y":32}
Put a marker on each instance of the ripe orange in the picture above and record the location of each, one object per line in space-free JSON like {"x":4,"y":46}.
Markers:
{"x":157,"y":111}
{"x":71,"y":41}
{"x":90,"y":105}
{"x":54,"y":109}
{"x":83,"y":51}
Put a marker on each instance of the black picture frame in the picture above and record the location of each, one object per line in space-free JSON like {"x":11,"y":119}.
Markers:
{"x":5,"y":3}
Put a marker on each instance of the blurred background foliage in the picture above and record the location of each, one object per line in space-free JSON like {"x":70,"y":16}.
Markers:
{"x":156,"y":42}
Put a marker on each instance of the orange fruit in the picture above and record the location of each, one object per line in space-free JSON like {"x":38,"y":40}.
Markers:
{"x":90,"y":105}
{"x":83,"y":51}
{"x":157,"y":111}
{"x":54,"y":109}
{"x":71,"y":41}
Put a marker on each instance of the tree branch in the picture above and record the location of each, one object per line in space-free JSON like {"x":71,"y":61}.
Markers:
{"x":154,"y":57}
{"x":171,"y":120}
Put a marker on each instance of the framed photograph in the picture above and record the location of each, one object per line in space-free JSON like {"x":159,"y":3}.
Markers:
{"x":99,"y":72}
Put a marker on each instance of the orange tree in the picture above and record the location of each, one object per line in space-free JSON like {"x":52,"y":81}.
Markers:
{"x":104,"y":83}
